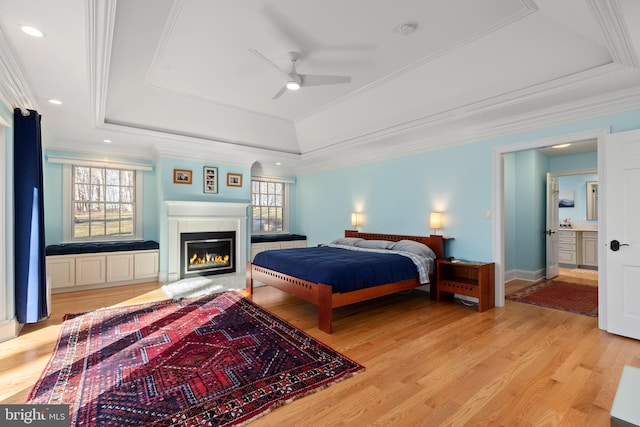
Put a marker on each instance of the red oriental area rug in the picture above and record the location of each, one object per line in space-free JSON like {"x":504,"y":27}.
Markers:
{"x":566,"y":296}
{"x":217,"y":360}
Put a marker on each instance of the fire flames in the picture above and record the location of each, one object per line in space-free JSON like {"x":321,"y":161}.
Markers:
{"x":208,"y":259}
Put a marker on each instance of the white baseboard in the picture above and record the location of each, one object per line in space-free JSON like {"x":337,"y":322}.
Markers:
{"x":9,"y":329}
{"x":531,"y":276}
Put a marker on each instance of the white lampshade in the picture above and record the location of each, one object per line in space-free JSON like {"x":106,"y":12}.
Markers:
{"x":435,"y":220}
{"x":355,"y":219}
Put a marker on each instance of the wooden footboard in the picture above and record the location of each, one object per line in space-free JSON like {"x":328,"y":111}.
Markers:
{"x":321,"y":294}
{"x":315,"y":293}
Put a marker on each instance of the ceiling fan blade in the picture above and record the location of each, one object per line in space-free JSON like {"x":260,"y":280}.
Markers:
{"x":265,"y":59}
{"x":319,"y":80}
{"x":280,"y":92}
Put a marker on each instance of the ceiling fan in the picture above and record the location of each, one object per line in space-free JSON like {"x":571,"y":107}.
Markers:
{"x":295,"y":81}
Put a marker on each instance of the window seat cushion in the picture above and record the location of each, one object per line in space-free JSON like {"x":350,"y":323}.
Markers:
{"x":262,"y":238}
{"x":96,"y":247}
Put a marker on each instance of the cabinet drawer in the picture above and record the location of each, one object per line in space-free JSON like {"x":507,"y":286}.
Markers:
{"x":567,"y":247}
{"x":567,"y":257}
{"x":457,"y":287}
{"x":567,"y":238}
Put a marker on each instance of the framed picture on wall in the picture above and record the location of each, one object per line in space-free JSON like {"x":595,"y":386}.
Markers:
{"x":566,"y":199}
{"x":234,"y":180}
{"x":181,"y":176}
{"x":210,"y":179}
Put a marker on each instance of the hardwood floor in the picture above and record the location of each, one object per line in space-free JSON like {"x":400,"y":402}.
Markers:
{"x":427,"y":363}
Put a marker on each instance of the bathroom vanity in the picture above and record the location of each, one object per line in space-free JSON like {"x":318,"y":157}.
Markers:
{"x":578,"y":247}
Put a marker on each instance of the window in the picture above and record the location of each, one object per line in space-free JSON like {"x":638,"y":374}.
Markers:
{"x":103,"y":203}
{"x":269,"y":203}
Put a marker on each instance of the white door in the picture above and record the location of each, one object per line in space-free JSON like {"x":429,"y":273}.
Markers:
{"x":553,"y":221}
{"x":622,"y":233}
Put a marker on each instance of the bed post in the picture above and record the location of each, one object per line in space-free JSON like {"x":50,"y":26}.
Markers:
{"x":325,"y":310}
{"x":249,"y":280}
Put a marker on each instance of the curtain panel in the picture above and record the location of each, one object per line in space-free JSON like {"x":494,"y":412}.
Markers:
{"x":30,"y":262}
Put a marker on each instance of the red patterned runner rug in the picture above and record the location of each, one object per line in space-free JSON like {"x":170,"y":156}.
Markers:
{"x":560,"y":295}
{"x":217,"y":360}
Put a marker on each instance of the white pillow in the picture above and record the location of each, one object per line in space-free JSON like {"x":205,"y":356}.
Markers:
{"x":374,"y":244}
{"x":347,"y":241}
{"x":413,"y":247}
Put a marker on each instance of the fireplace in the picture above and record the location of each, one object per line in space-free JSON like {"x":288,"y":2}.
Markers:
{"x":202,"y":217}
{"x":207,"y":253}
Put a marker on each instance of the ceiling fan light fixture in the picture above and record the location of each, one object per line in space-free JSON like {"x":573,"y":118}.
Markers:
{"x":293,"y":85}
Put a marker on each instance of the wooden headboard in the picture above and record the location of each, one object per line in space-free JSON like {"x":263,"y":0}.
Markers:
{"x":436,"y":243}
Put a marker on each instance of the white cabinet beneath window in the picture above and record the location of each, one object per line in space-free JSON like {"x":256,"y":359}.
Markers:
{"x":256,"y":248}
{"x":62,"y":271}
{"x":146,"y":265}
{"x":120,"y":267}
{"x":90,"y":270}
{"x":87,"y":271}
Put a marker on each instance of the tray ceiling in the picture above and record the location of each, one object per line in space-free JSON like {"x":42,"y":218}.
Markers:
{"x":177,"y":78}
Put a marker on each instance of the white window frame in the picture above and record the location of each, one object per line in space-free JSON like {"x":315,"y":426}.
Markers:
{"x":67,"y":206}
{"x":285,"y":202}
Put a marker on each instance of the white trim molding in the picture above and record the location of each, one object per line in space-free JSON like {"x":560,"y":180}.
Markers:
{"x":78,"y":161}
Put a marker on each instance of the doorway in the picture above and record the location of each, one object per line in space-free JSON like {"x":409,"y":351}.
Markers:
{"x":501,"y":228}
{"x":569,"y":239}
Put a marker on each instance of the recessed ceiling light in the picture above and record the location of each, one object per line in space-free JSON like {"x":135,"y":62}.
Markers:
{"x":107,"y":141}
{"x":32,"y":31}
{"x":278,"y":164}
{"x":54,"y":101}
{"x":566,"y":144}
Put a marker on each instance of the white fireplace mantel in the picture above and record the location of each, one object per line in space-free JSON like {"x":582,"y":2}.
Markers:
{"x":194,"y":217}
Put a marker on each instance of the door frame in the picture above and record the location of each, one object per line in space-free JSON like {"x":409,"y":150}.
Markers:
{"x":498,"y":209}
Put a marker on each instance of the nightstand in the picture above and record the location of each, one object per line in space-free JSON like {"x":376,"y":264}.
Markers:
{"x":473,"y":279}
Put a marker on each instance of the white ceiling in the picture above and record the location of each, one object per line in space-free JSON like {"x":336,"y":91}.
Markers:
{"x":177,"y":78}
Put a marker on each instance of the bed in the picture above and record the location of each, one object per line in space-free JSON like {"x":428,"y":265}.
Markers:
{"x":327,"y":296}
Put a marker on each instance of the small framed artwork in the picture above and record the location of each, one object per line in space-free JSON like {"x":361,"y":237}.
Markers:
{"x":566,"y":199}
{"x":234,"y":180}
{"x":181,"y":176}
{"x":210,"y":179}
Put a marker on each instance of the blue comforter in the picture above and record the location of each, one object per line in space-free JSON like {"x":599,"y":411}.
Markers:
{"x":345,"y":270}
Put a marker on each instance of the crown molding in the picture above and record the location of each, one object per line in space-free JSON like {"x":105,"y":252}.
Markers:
{"x":101,"y":16}
{"x":420,"y":139}
{"x":14,"y":88}
{"x":512,"y":99}
{"x":610,"y":18}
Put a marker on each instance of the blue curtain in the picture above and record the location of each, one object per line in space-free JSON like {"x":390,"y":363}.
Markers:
{"x":29,"y":252}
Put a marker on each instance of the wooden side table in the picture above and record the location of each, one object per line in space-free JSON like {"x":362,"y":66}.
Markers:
{"x":470,"y":278}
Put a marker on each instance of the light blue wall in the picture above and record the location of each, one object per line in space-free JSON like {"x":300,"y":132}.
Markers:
{"x":573,"y":162}
{"x":525,"y":206}
{"x":396,"y":195}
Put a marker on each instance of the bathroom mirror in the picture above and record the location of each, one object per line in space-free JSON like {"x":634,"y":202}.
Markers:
{"x":592,"y":200}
